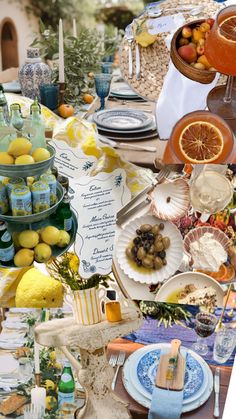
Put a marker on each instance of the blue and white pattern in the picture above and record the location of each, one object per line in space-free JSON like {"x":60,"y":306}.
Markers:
{"x":147,"y":371}
{"x":33,"y":74}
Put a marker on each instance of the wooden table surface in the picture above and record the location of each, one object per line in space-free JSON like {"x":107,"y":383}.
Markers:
{"x":145,"y":158}
{"x":140,"y":412}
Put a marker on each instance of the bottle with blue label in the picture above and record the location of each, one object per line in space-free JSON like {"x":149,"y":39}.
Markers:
{"x":66,"y":386}
{"x":7,"y":250}
{"x":64,"y":214}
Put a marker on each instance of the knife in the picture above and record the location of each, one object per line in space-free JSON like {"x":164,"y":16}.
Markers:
{"x":127,"y":146}
{"x":173,"y":360}
{"x":217,"y":391}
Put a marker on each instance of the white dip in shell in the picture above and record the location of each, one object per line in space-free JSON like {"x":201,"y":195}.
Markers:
{"x":207,"y":253}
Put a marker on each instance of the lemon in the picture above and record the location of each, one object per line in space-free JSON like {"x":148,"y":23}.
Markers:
{"x":49,"y":385}
{"x":42,"y":252}
{"x":5,"y":158}
{"x":19,"y":146}
{"x":64,"y":238}
{"x":28,"y":239}
{"x":51,"y":403}
{"x":53,"y":356}
{"x":50,"y":235}
{"x":24,"y":257}
{"x":24,"y":159}
{"x":40,"y":154}
{"x":15,"y":238}
{"x":37,"y":290}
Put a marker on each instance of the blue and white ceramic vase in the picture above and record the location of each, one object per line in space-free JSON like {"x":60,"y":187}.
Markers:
{"x":34,"y":73}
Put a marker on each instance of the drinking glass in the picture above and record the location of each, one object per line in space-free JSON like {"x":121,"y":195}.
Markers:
{"x":220,"y":50}
{"x":49,"y":94}
{"x":204,"y":326}
{"x":224,"y":345}
{"x":33,"y":412}
{"x":107,"y":68}
{"x":210,"y":192}
{"x":102,"y":84}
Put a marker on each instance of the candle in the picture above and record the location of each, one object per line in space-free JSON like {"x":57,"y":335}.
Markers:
{"x":61,"y":54}
{"x":113,"y":312}
{"x":74,"y":29}
{"x":36,"y":358}
{"x":38,"y":397}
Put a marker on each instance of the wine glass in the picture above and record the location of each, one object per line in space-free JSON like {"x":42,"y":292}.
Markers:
{"x":204,"y":326}
{"x":102,"y":84}
{"x":220,"y":50}
{"x":107,"y":68}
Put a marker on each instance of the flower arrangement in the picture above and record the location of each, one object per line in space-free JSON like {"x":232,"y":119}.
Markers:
{"x":65,"y":269}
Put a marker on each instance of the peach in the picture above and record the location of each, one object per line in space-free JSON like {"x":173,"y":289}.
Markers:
{"x":186,"y":32}
{"x":199,"y":66}
{"x":204,"y":27}
{"x":197,"y":35}
{"x":212,"y":69}
{"x":188,"y":53}
{"x":203,"y":60}
{"x":183,"y":41}
{"x":210,"y":21}
{"x":201,"y":42}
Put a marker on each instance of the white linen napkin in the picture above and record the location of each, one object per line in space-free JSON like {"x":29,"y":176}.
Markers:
{"x":179,"y":96}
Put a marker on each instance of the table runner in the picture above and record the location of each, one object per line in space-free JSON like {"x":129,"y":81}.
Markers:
{"x":149,"y":333}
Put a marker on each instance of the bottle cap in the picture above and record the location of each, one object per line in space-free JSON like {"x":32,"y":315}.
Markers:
{"x":35,"y":107}
{"x":15,"y":106}
{"x":67,"y":364}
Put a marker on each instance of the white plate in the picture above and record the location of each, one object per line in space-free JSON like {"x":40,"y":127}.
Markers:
{"x":132,"y":385}
{"x":196,"y":278}
{"x":149,"y":128}
{"x":120,"y":118}
{"x":174,"y":253}
{"x":123,"y":90}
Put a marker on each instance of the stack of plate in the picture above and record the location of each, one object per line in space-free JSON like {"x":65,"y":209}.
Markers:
{"x":123,"y":91}
{"x":140,"y":371}
{"x":125,"y":124}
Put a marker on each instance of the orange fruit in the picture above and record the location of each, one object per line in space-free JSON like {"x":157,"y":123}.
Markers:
{"x":201,"y":142}
{"x":221,"y":274}
{"x":227,"y":29}
{"x":87,"y":98}
{"x":66,"y":110}
{"x":224,"y":274}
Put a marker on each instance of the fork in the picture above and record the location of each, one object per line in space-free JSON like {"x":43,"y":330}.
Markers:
{"x":130,"y":38}
{"x":119,"y":363}
{"x":113,"y":359}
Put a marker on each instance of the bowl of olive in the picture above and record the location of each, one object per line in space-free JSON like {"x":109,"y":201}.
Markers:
{"x":150,"y":250}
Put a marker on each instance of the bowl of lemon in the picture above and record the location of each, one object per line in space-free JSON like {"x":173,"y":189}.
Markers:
{"x":20,"y":160}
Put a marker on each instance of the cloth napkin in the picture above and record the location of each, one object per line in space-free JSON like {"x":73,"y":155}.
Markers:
{"x":166,"y":404}
{"x":179,"y":96}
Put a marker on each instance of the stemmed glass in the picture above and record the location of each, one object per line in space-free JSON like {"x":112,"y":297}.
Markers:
{"x":220,"y":50}
{"x":204,"y":326}
{"x":102,"y":84}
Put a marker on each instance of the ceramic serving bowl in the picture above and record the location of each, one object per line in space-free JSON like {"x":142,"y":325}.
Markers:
{"x":170,"y":200}
{"x":198,"y":232}
{"x":174,"y":253}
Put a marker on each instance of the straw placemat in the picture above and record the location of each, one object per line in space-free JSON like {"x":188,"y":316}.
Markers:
{"x":155,"y":58}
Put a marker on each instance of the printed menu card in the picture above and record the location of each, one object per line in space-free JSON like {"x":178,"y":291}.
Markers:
{"x":96,"y":201}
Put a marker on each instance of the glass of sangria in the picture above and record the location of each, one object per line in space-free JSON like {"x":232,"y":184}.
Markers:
{"x":204,"y":326}
{"x":220,"y":50}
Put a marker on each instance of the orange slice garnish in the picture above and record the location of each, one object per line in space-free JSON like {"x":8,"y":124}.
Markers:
{"x":201,"y":142}
{"x":224,"y":274}
{"x":227,"y":29}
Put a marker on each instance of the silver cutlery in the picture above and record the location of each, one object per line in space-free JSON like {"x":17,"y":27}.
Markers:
{"x":217,"y":391}
{"x":163,"y":174}
{"x":125,"y":146}
{"x":120,"y":362}
{"x":130,"y":38}
{"x":113,"y":360}
{"x":133,"y":211}
{"x":137,"y":60}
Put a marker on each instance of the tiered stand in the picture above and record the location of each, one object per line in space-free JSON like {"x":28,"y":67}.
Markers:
{"x":94,"y":373}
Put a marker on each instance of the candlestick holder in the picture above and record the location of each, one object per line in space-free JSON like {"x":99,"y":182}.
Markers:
{"x":37,"y":379}
{"x":62,"y":89}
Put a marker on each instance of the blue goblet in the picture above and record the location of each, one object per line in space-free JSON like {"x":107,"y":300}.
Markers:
{"x":107,"y":68}
{"x":102,"y":84}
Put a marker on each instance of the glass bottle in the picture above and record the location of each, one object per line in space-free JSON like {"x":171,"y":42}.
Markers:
{"x":64,"y":214}
{"x":66,"y":386}
{"x":37,"y":123}
{"x":16,"y":120}
{"x":7,"y":250}
{"x":3,"y":104}
{"x":4,"y":139}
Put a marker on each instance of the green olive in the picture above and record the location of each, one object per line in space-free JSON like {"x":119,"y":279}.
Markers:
{"x":129,"y":253}
{"x":158,"y":263}
{"x":164,"y":262}
{"x":159,"y":237}
{"x":145,"y":228}
{"x":151,"y":250}
{"x":141,"y":253}
{"x":158,"y":245}
{"x":155,"y":229}
{"x":166,"y":242}
{"x":147,"y":262}
{"x":161,"y":226}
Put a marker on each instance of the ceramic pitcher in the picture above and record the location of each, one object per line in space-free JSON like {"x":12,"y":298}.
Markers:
{"x":86,"y":305}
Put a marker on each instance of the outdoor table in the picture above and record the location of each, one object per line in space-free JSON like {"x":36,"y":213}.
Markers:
{"x":139,"y":412}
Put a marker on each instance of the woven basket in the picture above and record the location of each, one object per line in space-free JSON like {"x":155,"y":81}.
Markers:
{"x":155,"y":58}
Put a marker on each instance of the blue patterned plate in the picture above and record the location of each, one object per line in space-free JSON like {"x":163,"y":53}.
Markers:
{"x":147,"y":370}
